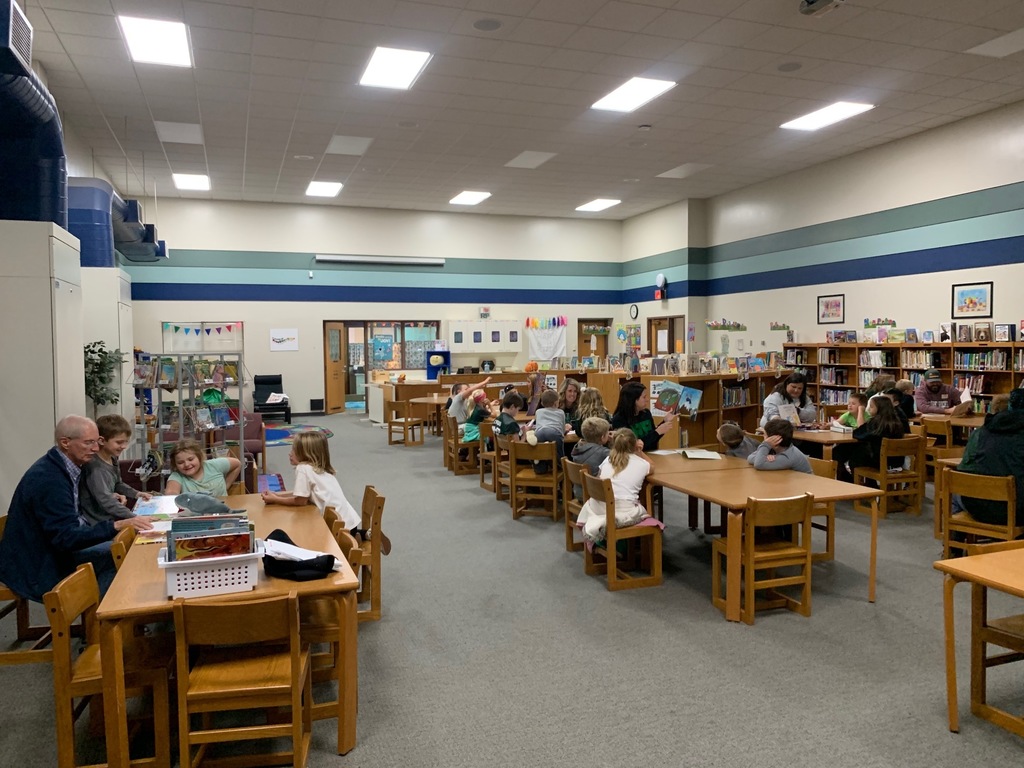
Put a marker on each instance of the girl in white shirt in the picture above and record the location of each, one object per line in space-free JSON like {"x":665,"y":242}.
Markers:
{"x":627,"y":466}
{"x":315,"y":480}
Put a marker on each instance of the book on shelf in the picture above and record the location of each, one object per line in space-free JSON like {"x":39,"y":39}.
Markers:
{"x":851,"y":337}
{"x":883,"y":334}
{"x":230,"y":372}
{"x":927,"y":337}
{"x":144,"y":375}
{"x":1005,"y":332}
{"x":202,"y":419}
{"x":983,"y":331}
{"x":221,"y":415}
{"x":946,"y":331}
{"x":897,"y":335}
{"x":912,"y":336}
{"x":202,"y":371}
{"x":692,"y":364}
{"x":168,"y":374}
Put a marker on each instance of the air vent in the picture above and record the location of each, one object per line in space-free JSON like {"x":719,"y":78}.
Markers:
{"x":15,"y":40}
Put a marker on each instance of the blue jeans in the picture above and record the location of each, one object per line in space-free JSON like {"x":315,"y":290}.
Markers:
{"x":102,"y":564}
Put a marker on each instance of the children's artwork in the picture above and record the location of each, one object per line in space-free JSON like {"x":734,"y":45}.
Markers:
{"x":831,"y":309}
{"x":551,"y":381}
{"x":972,"y":300}
{"x":284,"y":339}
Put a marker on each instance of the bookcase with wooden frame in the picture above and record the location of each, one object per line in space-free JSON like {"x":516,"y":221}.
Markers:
{"x":837,"y":373}
{"x":874,"y":360}
{"x":699,"y":431}
{"x":915,"y":359}
{"x":984,"y":369}
{"x":1018,"y":364}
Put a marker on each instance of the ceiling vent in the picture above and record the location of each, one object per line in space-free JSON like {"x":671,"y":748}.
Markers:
{"x":15,"y":40}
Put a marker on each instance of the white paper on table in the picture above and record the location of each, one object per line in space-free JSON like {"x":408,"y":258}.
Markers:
{"x":284,"y":551}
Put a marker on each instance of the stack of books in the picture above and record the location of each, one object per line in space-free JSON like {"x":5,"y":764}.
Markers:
{"x":192,"y":538}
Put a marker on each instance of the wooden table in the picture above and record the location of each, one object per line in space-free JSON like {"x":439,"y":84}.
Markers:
{"x":1002,"y":571}
{"x":826,"y":438}
{"x":672,"y":463}
{"x":438,"y":401}
{"x":730,"y":489}
{"x":139,"y":590}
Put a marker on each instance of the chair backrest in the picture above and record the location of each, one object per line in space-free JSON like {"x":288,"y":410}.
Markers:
{"x":242,"y":622}
{"x":938,"y":428}
{"x":121,"y":544}
{"x":892,"y":448}
{"x":520,"y":451}
{"x":600,"y":490}
{"x":823,"y":468}
{"x":988,"y":487}
{"x":834,"y":411}
{"x":919,"y":429}
{"x":771,"y":512}
{"x":330,"y":517}
{"x":75,"y":595}
{"x":754,"y":435}
{"x":574,"y":472}
{"x":372,"y":510}
{"x":350,"y":549}
{"x":253,"y":426}
{"x":264,"y":384}
{"x":486,"y":433}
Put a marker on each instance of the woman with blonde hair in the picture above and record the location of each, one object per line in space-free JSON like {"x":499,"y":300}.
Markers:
{"x":626,"y":466}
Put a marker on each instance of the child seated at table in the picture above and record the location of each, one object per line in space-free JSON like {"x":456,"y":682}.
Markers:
{"x":777,"y":451}
{"x":591,"y":404}
{"x":549,"y":426}
{"x":855,"y":405}
{"x":102,"y":494}
{"x":593,"y":449}
{"x":482,"y":410}
{"x":194,"y":475}
{"x":315,"y":480}
{"x":737,"y":442}
{"x":505,"y":423}
{"x":627,"y":466}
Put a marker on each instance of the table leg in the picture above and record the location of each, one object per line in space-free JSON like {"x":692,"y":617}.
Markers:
{"x":826,"y":451}
{"x":947,"y":610}
{"x":734,"y":534}
{"x":979,"y":612}
{"x":114,"y":707}
{"x":873,"y":560}
{"x":348,"y":671}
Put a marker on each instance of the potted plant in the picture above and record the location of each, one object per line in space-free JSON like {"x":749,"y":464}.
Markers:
{"x":101,"y":367}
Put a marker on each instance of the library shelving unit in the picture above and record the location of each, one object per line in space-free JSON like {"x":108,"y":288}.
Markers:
{"x":170,"y":399}
{"x":837,"y":373}
{"x":803,"y":358}
{"x":915,"y":359}
{"x":874,"y":361}
{"x":984,"y":369}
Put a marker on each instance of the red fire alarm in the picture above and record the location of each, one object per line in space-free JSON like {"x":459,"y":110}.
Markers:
{"x":658,"y":293}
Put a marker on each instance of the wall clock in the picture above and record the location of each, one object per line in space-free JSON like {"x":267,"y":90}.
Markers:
{"x":634,"y":311}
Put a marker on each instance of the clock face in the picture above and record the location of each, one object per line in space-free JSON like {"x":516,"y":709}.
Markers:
{"x":634,"y":311}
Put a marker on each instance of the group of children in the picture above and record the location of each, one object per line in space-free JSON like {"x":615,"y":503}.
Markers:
{"x":104,"y":496}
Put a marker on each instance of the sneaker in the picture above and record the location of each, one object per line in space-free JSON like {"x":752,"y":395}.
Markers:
{"x":542,"y":467}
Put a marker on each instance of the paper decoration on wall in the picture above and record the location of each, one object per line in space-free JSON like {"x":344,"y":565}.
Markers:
{"x":546,"y":343}
{"x":725,"y":325}
{"x":284,"y":339}
{"x":187,"y":329}
{"x":547,"y":322}
{"x":776,"y":326}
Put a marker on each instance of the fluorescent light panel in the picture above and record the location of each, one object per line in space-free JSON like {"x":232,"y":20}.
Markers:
{"x":833,"y":113}
{"x":392,"y":260}
{"x":1002,"y":46}
{"x":599,"y":204}
{"x":179,"y":133}
{"x":684,"y":170}
{"x":633,"y":94}
{"x":323,"y":188}
{"x":530,"y":159}
{"x":151,"y":41}
{"x":394,"y":68}
{"x":348,"y":145}
{"x":469,"y":197}
{"x":198,"y":182}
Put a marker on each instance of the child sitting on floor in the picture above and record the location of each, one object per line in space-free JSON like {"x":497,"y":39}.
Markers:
{"x":777,"y":451}
{"x":627,"y":465}
{"x":737,"y":442}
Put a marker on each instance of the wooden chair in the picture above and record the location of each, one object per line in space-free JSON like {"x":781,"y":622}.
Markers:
{"x":121,"y":544}
{"x":906,"y":484}
{"x":371,"y":549}
{"x":445,"y":443}
{"x":834,"y":411}
{"x":606,"y":558}
{"x":39,"y":637}
{"x":319,"y":626}
{"x":331,"y":517}
{"x":825,"y":509}
{"x":401,"y":421}
{"x":250,"y":657}
{"x":971,"y":486}
{"x":78,"y":674}
{"x":502,"y":468}
{"x":487,"y":456}
{"x":572,"y":475}
{"x":939,"y":435}
{"x":527,"y":486}
{"x":462,"y":457}
{"x":769,"y":554}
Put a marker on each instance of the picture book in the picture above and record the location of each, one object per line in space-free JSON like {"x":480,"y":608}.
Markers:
{"x":912,"y":336}
{"x":221,"y":415}
{"x":212,"y":545}
{"x":983,"y":331}
{"x":1005,"y":332}
{"x":672,"y":365}
{"x":946,"y":331}
{"x":851,"y":337}
{"x":692,"y":364}
{"x":927,"y":336}
{"x":731,"y":365}
{"x":658,"y":366}
{"x":202,"y":370}
{"x":551,"y":381}
{"x":673,"y":398}
{"x":586,"y":362}
{"x":230,"y":372}
{"x":701,"y":453}
{"x":145,"y":374}
{"x":788,"y":412}
{"x":883,"y":334}
{"x":743,"y":367}
{"x":756,"y":363}
{"x":168,"y":374}
{"x":202,"y":419}
{"x":162,"y":506}
{"x":645,"y":365}
{"x":897,"y":335}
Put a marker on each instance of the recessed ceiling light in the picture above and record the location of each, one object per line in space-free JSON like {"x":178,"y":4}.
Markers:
{"x":833,"y":113}
{"x":684,"y":170}
{"x":530,"y":159}
{"x":179,"y":133}
{"x":1001,"y":46}
{"x":323,"y":188}
{"x":151,"y":41}
{"x":633,"y":94}
{"x":487,"y":25}
{"x":394,"y":68}
{"x":198,"y":182}
{"x":348,"y":145}
{"x":631,"y":181}
{"x":303,"y":157}
{"x":469,"y":198}
{"x":598,"y":205}
{"x":790,"y":66}
{"x":407,"y":124}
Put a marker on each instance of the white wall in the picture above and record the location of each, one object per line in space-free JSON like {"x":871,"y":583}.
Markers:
{"x":973,"y":154}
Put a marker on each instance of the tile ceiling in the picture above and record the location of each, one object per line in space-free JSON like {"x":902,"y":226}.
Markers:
{"x":275,"y":80}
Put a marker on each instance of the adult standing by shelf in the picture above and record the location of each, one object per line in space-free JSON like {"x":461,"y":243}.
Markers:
{"x":633,"y":412}
{"x":791,"y":391}
{"x":934,"y":396}
{"x":46,"y":537}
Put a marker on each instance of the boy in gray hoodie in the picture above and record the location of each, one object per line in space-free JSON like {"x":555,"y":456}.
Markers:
{"x":592,"y":450}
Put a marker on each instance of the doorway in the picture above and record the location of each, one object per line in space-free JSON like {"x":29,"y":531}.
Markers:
{"x":336,"y":366}
{"x":666,"y":335}
{"x":591,"y":344}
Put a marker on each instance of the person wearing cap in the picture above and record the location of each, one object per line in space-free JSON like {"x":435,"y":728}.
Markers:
{"x":934,"y":396}
{"x":996,"y":449}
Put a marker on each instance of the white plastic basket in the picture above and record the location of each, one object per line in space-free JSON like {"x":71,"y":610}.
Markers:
{"x":211,"y":575}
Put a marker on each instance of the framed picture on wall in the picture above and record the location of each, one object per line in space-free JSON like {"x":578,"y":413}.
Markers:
{"x":832,"y":309}
{"x":972,"y":300}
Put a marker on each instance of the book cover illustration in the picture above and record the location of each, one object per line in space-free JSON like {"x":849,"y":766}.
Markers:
{"x":883,"y":334}
{"x":788,"y":412}
{"x":221,"y":416}
{"x":230,"y":372}
{"x":168,"y":374}
{"x":673,"y":398}
{"x":912,"y":336}
{"x":202,"y":370}
{"x":213,"y":545}
{"x":927,"y":336}
{"x":851,"y":337}
{"x":144,"y":375}
{"x":897,"y":335}
{"x":203,"y":419}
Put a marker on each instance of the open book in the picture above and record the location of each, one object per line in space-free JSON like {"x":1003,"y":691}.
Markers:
{"x":701,"y":453}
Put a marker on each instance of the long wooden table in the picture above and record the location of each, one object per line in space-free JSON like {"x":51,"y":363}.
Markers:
{"x":730,"y":489}
{"x":437,"y":400}
{"x":139,"y":591}
{"x":1002,"y":571}
{"x":826,"y":438}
